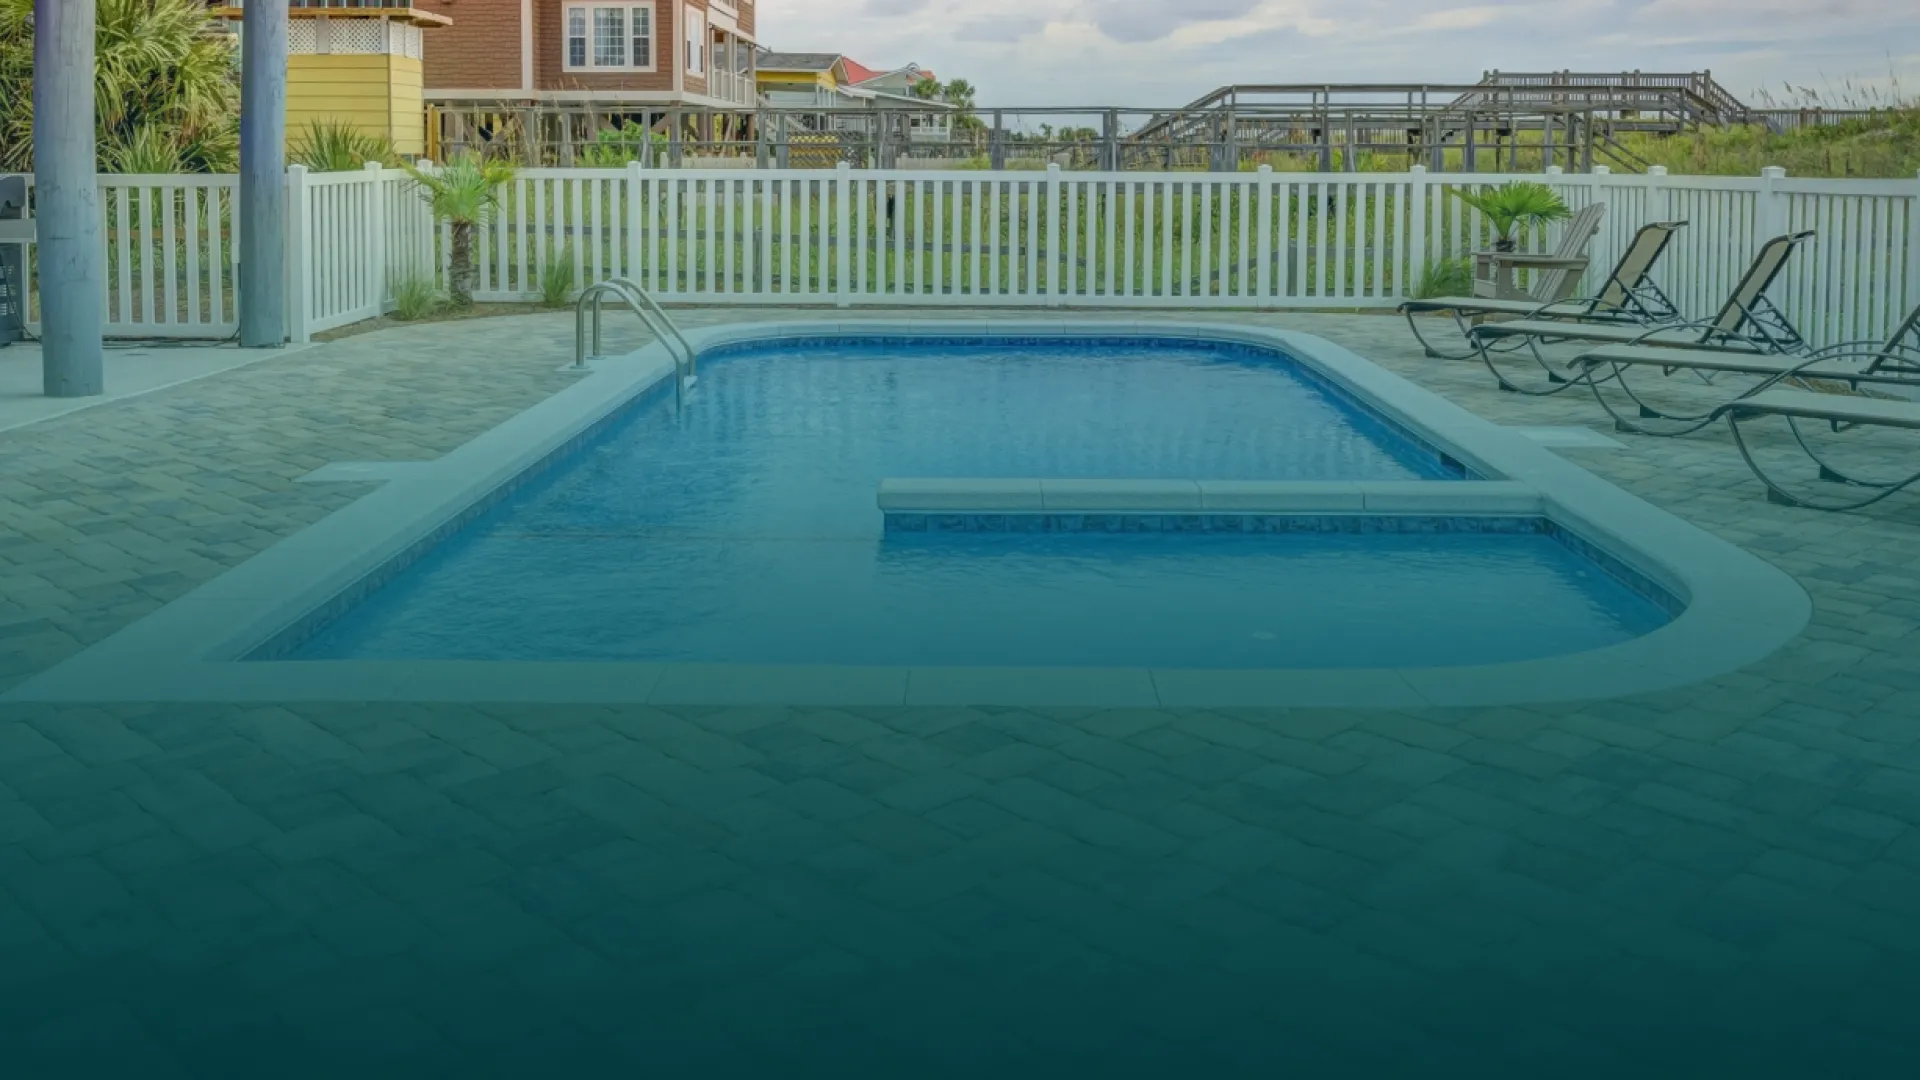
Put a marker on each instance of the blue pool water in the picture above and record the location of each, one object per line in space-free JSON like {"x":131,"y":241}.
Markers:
{"x":744,"y":529}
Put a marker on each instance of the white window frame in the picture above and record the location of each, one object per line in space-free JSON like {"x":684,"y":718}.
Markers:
{"x":695,"y":58}
{"x":651,"y":7}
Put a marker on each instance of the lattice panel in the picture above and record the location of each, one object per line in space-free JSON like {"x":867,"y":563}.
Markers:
{"x":303,"y":36}
{"x":356,"y":36}
{"x":404,"y":39}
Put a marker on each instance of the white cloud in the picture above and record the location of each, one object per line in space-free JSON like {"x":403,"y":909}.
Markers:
{"x":1156,"y":52}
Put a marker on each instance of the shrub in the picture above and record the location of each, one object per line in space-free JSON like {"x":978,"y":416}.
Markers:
{"x":416,"y":297}
{"x":165,"y":95}
{"x":1445,"y":277}
{"x":557,"y":278}
{"x":337,"y":146}
{"x":614,"y":147}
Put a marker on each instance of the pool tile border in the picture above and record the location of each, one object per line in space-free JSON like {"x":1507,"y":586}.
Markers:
{"x":1737,"y":608}
{"x":1442,"y":464}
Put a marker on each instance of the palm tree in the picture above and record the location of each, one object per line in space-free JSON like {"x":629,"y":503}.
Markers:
{"x":465,"y":193}
{"x":959,"y":94}
{"x":166,"y":88}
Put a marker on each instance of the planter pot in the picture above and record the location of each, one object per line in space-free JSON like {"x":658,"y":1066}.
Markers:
{"x":1505,"y":244}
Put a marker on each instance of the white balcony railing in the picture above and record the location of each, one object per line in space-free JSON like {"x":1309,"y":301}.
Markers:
{"x":732,"y":86}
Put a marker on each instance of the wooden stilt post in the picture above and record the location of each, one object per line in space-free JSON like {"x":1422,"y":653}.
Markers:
{"x":263,"y":181}
{"x":72,"y":258}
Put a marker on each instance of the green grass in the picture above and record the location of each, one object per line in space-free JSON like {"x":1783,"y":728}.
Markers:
{"x":781,"y":247}
{"x":1887,"y":148}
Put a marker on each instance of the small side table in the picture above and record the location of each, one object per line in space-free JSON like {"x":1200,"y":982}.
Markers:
{"x":1493,"y":274}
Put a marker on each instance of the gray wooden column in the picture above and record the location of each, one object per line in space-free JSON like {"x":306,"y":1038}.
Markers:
{"x":72,"y":258}
{"x":263,"y":175}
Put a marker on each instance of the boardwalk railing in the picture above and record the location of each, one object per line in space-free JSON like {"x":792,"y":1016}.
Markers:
{"x":857,"y":238}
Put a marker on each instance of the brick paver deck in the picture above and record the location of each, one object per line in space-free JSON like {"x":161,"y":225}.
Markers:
{"x":1720,"y":881}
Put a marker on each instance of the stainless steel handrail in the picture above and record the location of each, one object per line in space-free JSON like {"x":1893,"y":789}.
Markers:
{"x":665,"y":320}
{"x":650,"y":314}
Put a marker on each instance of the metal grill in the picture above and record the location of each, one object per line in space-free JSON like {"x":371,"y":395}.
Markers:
{"x":13,"y":269}
{"x":13,"y":301}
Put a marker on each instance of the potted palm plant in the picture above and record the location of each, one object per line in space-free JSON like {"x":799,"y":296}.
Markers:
{"x":1513,"y":208}
{"x":465,"y":193}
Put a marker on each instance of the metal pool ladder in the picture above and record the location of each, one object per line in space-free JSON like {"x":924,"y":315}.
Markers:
{"x":650,"y":313}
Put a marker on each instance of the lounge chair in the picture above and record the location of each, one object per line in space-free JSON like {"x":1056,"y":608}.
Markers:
{"x":1746,"y":322}
{"x":1894,"y":360}
{"x":1837,"y":411}
{"x":1628,"y":296}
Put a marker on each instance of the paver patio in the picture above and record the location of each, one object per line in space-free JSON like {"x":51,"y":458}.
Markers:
{"x":1717,"y":881}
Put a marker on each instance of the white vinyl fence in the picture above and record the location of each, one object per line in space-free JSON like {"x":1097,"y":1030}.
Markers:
{"x":856,"y":238}
{"x":170,"y":247}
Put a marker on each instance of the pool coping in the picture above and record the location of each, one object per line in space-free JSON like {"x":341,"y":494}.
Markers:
{"x":1739,"y":608}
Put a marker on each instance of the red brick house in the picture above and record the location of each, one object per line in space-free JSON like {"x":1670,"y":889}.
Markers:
{"x":634,"y":53}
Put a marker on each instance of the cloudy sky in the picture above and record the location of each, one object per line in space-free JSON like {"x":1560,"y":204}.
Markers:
{"x":1155,"y":52}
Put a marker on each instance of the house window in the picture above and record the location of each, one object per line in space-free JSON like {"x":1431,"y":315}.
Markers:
{"x":696,"y":42}
{"x":610,"y":37}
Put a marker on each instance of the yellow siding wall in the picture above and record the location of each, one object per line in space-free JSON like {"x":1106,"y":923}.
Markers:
{"x":790,"y":80}
{"x":409,"y":105}
{"x":380,"y":95}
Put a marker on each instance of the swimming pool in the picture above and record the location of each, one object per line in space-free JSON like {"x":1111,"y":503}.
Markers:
{"x":744,"y":529}
{"x":1061,"y":512}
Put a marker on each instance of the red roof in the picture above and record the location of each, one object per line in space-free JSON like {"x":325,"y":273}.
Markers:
{"x":858,"y":72}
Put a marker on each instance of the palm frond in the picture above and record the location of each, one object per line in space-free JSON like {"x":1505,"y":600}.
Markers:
{"x":157,"y":69}
{"x":1518,"y":204}
{"x":150,"y":150}
{"x":465,"y":191}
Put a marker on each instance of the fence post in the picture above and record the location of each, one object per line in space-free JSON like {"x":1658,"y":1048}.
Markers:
{"x":636,"y":250}
{"x":377,"y":236}
{"x":1263,"y":275}
{"x":1913,"y":247}
{"x":1604,"y":249}
{"x":1053,"y":234}
{"x":1772,"y":211}
{"x":1550,"y":234}
{"x":1659,"y":198}
{"x":843,"y":233}
{"x":299,"y":255}
{"x":1417,"y":246}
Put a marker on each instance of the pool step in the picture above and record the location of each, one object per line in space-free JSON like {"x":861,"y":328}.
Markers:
{"x":997,"y":496}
